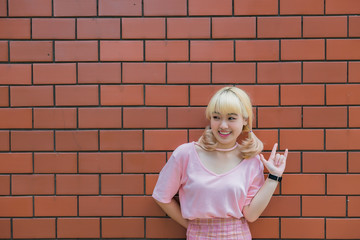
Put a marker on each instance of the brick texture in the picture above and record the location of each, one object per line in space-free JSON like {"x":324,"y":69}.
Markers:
{"x":96,"y":94}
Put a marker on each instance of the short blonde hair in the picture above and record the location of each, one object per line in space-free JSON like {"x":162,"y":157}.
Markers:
{"x":232,"y":100}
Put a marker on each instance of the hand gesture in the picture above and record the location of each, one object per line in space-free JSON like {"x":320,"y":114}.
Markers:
{"x":276,"y":163}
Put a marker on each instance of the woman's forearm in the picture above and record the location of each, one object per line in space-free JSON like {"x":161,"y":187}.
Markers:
{"x":258,"y":204}
{"x":172,"y":209}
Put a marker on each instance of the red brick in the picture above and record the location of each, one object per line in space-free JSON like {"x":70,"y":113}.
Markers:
{"x":195,"y":134}
{"x":99,"y":72}
{"x":53,"y":28}
{"x":262,"y":95}
{"x":76,"y":51}
{"x":120,"y":8}
{"x":78,"y":228}
{"x":324,"y":117}
{"x":187,"y":117}
{"x":354,"y":72}
{"x":303,"y":49}
{"x":301,"y":7}
{"x":120,"y":140}
{"x":354,"y":206}
{"x":165,"y":7}
{"x":34,"y":228}
{"x":256,"y":7}
{"x":279,"y":117}
{"x":122,"y":227}
{"x":12,"y":74}
{"x":342,"y":228}
{"x":100,"y":163}
{"x":4,"y":52}
{"x":343,"y":49}
{"x":83,"y":140}
{"x":342,"y":139}
{"x":31,"y":96}
{"x":279,"y":72}
{"x":302,"y":94}
{"x":55,"y":206}
{"x":4,"y":140}
{"x":151,"y":180}
{"x":143,"y":28}
{"x":235,"y":27}
{"x":167,"y":50}
{"x":163,"y":228}
{"x":14,"y":28}
{"x":188,"y":28}
{"x":121,"y":51}
{"x":99,"y":117}
{"x":324,"y":72}
{"x":100,"y":205}
{"x":233,"y":72}
{"x":342,"y":184}
{"x":32,"y":141}
{"x":58,"y":73}
{"x":354,"y":26}
{"x":55,"y":163}
{"x":213,"y":7}
{"x":3,"y":13}
{"x":200,"y":95}
{"x":306,"y":139}
{"x":134,"y":117}
{"x":354,"y":163}
{"x":5,"y":224}
{"x":283,"y":206}
{"x":219,"y":50}
{"x":188,"y":73}
{"x":324,"y":162}
{"x":342,"y":7}
{"x":279,"y":27}
{"x":268,"y":137}
{"x":16,"y":163}
{"x":98,"y":28}
{"x":4,"y":96}
{"x":141,"y":206}
{"x":144,"y":72}
{"x":341,"y":94}
{"x":354,"y":116}
{"x":122,"y":184}
{"x":320,"y":206}
{"x":164,"y":139}
{"x":166,"y":95}
{"x":4,"y":186}
{"x":63,"y":8}
{"x":143,"y":162}
{"x":32,"y":184}
{"x":34,"y":51}
{"x":26,"y":8}
{"x":55,"y":118}
{"x":122,"y":95}
{"x":325,"y":26}
{"x":16,"y":206}
{"x":79,"y":184}
{"x":76,"y":95}
{"x":295,"y":228}
{"x":265,"y":228}
{"x":257,"y":50}
{"x":15,"y":118}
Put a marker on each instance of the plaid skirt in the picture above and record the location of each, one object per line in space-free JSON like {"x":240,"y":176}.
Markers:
{"x":218,"y":228}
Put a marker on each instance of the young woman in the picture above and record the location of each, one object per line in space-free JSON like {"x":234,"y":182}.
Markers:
{"x":221,"y":183}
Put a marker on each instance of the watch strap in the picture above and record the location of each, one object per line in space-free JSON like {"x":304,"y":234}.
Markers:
{"x":276,"y":178}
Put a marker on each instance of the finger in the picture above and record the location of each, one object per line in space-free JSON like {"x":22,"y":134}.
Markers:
{"x":273,"y":152}
{"x":277,"y":159}
{"x":263,"y":160}
{"x":286,"y":154}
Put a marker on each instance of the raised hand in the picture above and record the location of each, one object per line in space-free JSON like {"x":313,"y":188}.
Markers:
{"x":276,"y":162}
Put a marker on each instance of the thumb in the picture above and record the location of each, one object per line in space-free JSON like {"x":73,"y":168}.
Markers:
{"x":263,"y":160}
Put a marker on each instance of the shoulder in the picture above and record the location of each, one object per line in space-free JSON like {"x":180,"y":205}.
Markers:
{"x":255,"y":162}
{"x":183,"y":149}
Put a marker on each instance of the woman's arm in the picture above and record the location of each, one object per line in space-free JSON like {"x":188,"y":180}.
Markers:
{"x":172,"y":209}
{"x":276,"y":166}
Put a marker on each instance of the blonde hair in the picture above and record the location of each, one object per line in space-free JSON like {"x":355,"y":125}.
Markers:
{"x":232,"y":100}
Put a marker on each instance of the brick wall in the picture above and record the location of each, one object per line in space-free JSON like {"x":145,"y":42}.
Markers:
{"x":95,"y":94}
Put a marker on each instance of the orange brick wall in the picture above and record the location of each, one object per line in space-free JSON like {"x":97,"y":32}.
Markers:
{"x":95,"y":94}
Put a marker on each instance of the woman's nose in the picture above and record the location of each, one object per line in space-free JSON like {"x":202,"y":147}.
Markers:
{"x":223,"y":124}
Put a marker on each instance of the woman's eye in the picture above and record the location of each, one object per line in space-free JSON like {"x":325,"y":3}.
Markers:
{"x":216,"y":117}
{"x":231,"y":118}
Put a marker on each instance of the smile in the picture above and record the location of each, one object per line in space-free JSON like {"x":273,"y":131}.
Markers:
{"x":224,"y":134}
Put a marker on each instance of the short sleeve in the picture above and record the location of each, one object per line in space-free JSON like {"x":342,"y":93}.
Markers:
{"x":169,"y":180}
{"x":256,"y":184}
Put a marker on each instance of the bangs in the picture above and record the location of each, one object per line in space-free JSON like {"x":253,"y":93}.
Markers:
{"x":225,"y":103}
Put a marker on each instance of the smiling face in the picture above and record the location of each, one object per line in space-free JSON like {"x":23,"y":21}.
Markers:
{"x":226,"y":128}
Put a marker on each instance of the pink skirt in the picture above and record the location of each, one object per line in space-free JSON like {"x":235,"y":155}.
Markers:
{"x":218,"y":228}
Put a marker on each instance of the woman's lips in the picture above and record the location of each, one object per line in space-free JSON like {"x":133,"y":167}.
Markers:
{"x":224,"y":134}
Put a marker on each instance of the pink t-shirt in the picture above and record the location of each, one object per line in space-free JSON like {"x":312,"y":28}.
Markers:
{"x":204,"y":194}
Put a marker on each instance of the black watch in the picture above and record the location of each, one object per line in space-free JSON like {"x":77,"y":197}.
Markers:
{"x":276,"y":178}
